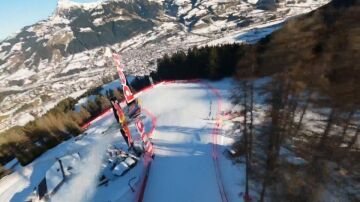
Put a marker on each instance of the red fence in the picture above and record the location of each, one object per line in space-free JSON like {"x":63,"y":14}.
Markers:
{"x":147,"y":162}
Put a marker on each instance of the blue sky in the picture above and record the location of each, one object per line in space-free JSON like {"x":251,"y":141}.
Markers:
{"x":15,"y":14}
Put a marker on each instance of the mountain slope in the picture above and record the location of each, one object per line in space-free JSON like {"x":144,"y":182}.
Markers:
{"x":322,"y":47}
{"x":69,"y":53}
{"x":312,"y":106}
{"x":74,"y":28}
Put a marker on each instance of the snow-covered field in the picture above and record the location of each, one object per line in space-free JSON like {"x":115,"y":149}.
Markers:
{"x":183,"y":169}
{"x":184,"y":165}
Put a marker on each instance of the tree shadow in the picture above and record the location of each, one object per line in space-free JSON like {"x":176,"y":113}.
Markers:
{"x":34,"y":179}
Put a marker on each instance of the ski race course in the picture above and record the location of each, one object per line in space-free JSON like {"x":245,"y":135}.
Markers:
{"x":184,"y":120}
{"x":186,"y":144}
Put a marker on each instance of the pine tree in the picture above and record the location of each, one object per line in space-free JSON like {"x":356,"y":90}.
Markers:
{"x":354,"y":138}
{"x":102,"y":102}
{"x":92,"y":108}
{"x":213,"y":64}
{"x":119,"y":96}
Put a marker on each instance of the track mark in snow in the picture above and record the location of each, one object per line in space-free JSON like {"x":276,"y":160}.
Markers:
{"x":187,"y":145}
{"x":215,"y":150}
{"x":210,"y":108}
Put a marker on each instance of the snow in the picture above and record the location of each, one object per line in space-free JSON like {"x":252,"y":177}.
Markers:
{"x":97,"y":13}
{"x":77,"y":63}
{"x":86,"y":181}
{"x":19,"y":185}
{"x":183,"y":169}
{"x":140,"y":51}
{"x":68,"y":4}
{"x":17,"y":47}
{"x":98,"y":21}
{"x":83,"y":102}
{"x":54,"y":177}
{"x":77,"y":94}
{"x":85,"y":29}
{"x":108,"y":52}
{"x":195,"y":12}
{"x":256,"y":34}
{"x":22,"y":73}
{"x":252,"y":1}
{"x":24,"y":119}
{"x":55,"y":19}
{"x":250,"y":35}
{"x":4,"y":44}
{"x":112,"y":85}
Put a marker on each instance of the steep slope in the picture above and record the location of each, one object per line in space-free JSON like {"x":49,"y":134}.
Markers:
{"x":315,"y":72}
{"x":68,"y":53}
{"x":184,"y":149}
{"x":323,"y":44}
{"x":74,"y":28}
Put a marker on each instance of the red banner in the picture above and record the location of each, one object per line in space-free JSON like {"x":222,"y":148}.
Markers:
{"x":129,"y":97}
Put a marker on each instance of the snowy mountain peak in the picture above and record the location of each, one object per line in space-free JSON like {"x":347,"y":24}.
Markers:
{"x":68,"y":4}
{"x":64,"y":6}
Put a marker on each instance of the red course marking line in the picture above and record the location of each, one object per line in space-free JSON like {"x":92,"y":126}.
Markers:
{"x":147,"y":161}
{"x":140,"y":196}
{"x":215,"y":150}
{"x":93,"y":120}
{"x":153,"y":120}
{"x":215,"y":133}
{"x":106,"y":111}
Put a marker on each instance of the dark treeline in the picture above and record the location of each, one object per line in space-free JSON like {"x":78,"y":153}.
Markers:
{"x":29,"y":141}
{"x":214,"y":62}
{"x":141,"y":82}
{"x":209,"y":62}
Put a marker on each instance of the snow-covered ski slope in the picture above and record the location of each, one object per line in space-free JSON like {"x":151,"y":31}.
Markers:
{"x":187,"y":120}
{"x":187,"y":146}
